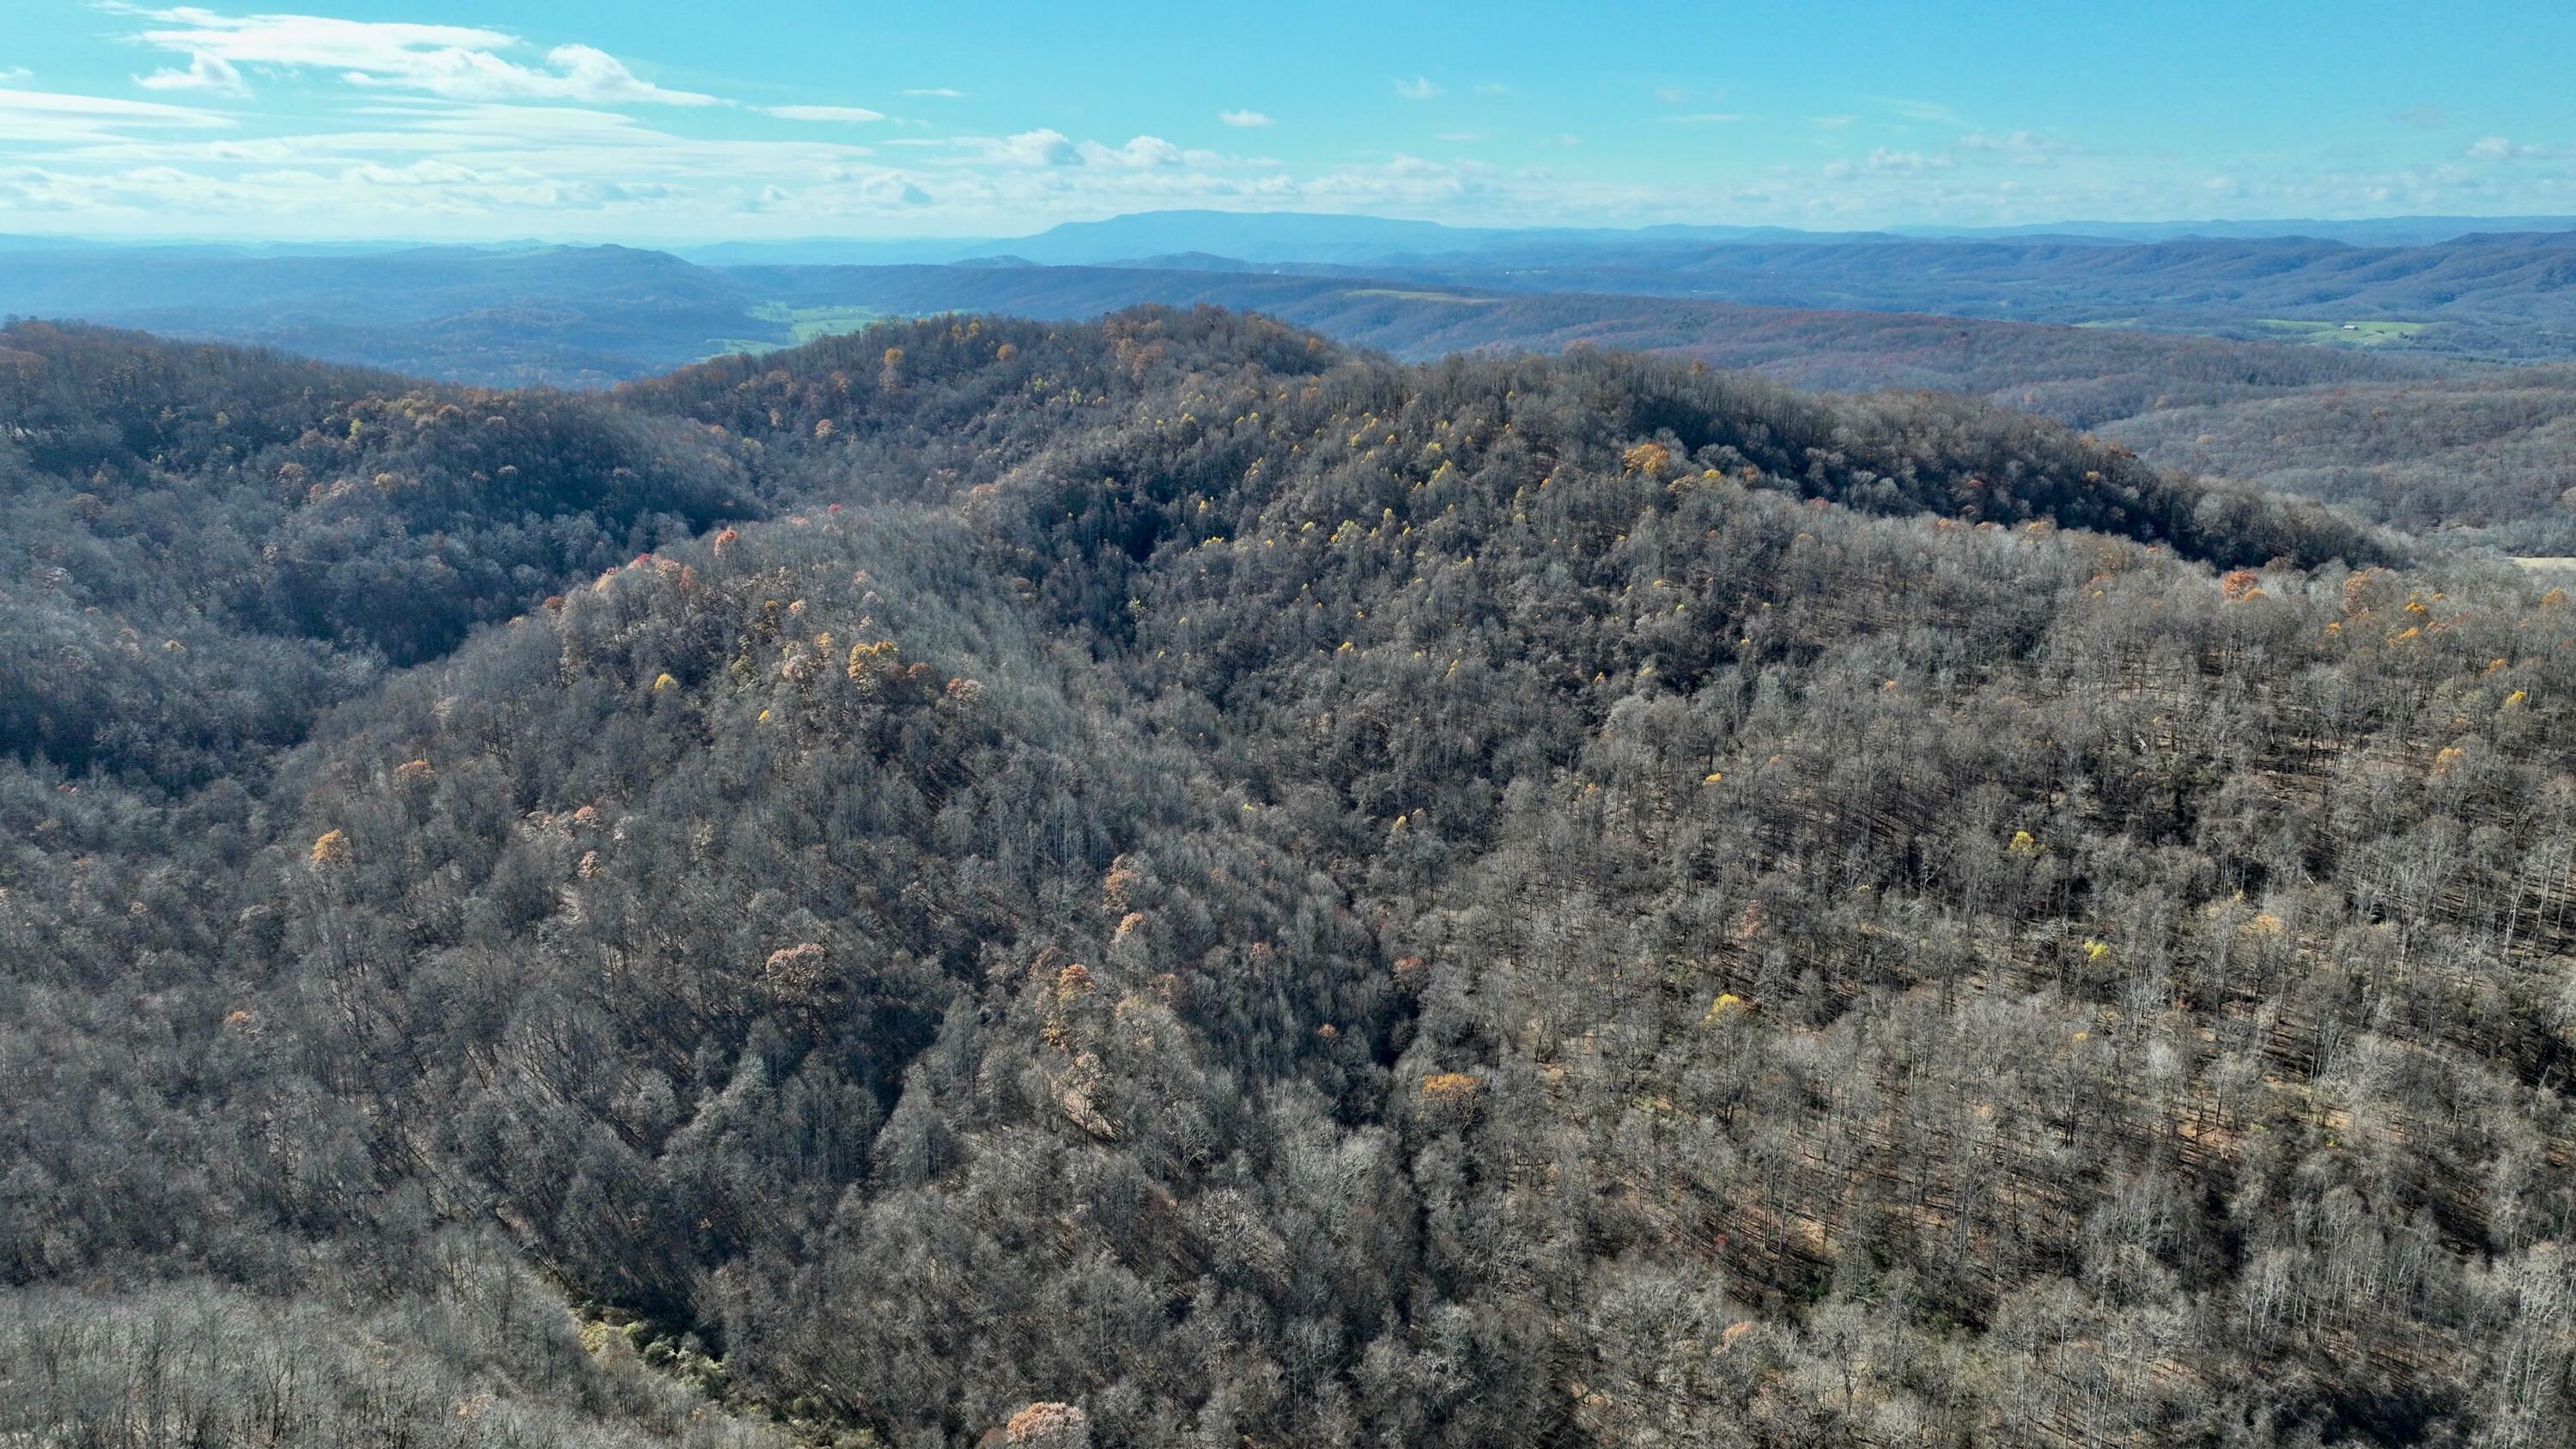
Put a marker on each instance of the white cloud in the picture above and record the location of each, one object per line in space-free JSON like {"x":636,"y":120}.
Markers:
{"x":1881,"y":159}
{"x":1706,"y":118}
{"x":1041,"y":147}
{"x":942,"y":93}
{"x":1243,"y":119}
{"x":48,"y":116}
{"x":2019,"y":147}
{"x":210,"y":73}
{"x":471,"y":132}
{"x":1420,"y":88}
{"x":1142,"y":152}
{"x":455,"y":61}
{"x":2497,"y":148}
{"x":14,"y":73}
{"x":1924,"y":111}
{"x":825,"y":113}
{"x":1050,"y":149}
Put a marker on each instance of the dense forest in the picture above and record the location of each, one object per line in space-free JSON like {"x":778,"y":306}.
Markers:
{"x":1161,"y":882}
{"x":2490,"y":458}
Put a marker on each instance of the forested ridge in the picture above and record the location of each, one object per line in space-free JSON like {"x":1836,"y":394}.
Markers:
{"x":1161,"y":882}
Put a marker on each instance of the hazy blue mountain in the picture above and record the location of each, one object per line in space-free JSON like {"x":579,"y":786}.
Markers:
{"x":580,"y":315}
{"x":2383,"y":231}
{"x":1307,"y":237}
{"x":835,"y":251}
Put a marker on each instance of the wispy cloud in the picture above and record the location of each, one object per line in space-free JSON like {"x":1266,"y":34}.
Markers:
{"x":1043,"y":147}
{"x":1881,"y":161}
{"x":209,"y":73}
{"x":1245,"y":120}
{"x":825,"y":113}
{"x":1420,"y":88}
{"x":941,"y":93}
{"x":1049,"y":149}
{"x":48,"y":116}
{"x":2022,"y":148}
{"x":455,"y":61}
{"x":1706,"y":118}
{"x":2497,"y":148}
{"x":1141,"y":153}
{"x":1924,"y":111}
{"x":2423,"y":118}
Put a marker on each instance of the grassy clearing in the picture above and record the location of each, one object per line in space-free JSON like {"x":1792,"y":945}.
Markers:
{"x":1421,"y":296}
{"x":804,"y":324}
{"x":2355,"y":334}
{"x":807,"y":323}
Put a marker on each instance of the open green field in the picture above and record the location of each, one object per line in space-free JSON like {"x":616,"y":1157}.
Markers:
{"x":1420,"y":296}
{"x":804,"y":324}
{"x":2357,"y":334}
{"x":808,"y":323}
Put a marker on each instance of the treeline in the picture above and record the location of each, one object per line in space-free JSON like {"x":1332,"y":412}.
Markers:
{"x":1191,"y":887}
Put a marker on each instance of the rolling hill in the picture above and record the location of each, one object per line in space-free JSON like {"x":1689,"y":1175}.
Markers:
{"x":1160,"y":881}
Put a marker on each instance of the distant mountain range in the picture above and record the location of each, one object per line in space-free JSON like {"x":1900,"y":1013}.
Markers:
{"x":528,"y":312}
{"x":581,"y":316}
{"x":1309,"y":238}
{"x":2195,"y":348}
{"x":598,"y":315}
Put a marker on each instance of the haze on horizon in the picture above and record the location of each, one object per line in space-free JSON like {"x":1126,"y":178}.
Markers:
{"x":585,"y":120}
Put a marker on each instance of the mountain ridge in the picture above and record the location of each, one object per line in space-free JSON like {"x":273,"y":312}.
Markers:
{"x":1581,"y":900}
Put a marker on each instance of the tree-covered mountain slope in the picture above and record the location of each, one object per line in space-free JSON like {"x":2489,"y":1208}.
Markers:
{"x":207,"y":542}
{"x":2483,"y":458}
{"x":1161,"y":883}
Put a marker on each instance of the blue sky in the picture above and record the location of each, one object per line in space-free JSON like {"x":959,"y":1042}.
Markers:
{"x":636,"y":120}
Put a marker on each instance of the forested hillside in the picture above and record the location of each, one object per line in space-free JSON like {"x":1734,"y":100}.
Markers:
{"x":1159,"y":882}
{"x":2489,"y":458}
{"x":2084,"y":376}
{"x":591,"y":317}
{"x":2496,"y":294}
